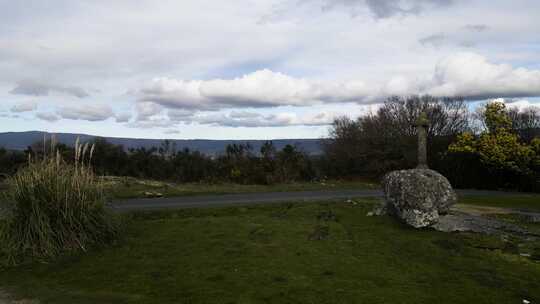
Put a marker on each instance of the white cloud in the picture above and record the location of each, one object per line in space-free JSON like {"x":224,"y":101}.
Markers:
{"x":255,"y":119}
{"x":179,"y":114}
{"x":436,"y":40}
{"x":472,"y":76}
{"x":146,"y":110}
{"x":258,"y":120}
{"x":263,"y":88}
{"x":37,"y":88}
{"x":465,"y":37}
{"x":123,"y":117}
{"x":380,"y":9}
{"x":476,"y":27}
{"x":27,"y":106}
{"x":151,"y":123}
{"x":464,"y":74}
{"x":51,"y":117}
{"x":90,"y":112}
{"x":172,"y":131}
{"x":520,"y":104}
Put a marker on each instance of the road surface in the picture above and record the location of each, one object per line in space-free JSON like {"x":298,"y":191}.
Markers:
{"x":257,"y":198}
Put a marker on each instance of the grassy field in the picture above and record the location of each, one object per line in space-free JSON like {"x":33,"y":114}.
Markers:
{"x":326,"y":252}
{"x":515,"y":201}
{"x":127,"y":187}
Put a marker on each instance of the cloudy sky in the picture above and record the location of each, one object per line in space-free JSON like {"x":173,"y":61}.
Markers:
{"x":252,"y":68}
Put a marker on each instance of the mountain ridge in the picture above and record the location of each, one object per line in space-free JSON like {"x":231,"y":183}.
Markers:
{"x":21,"y":140}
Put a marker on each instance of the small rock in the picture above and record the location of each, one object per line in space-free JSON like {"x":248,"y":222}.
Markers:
{"x":350,"y":201}
{"x":380,"y":209}
{"x":152,"y":194}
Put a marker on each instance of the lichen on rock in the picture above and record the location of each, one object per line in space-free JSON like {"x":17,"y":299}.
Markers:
{"x":418,"y":196}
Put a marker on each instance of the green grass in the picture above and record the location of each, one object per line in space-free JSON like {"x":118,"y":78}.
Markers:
{"x":126,"y":187}
{"x":290,"y":253}
{"x":516,"y":201}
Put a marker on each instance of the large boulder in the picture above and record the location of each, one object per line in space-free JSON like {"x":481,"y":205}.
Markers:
{"x":418,"y":196}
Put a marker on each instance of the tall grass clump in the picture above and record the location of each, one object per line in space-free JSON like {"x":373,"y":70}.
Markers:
{"x":54,"y":207}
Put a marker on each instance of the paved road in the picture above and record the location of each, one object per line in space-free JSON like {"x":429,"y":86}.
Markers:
{"x":256,"y":198}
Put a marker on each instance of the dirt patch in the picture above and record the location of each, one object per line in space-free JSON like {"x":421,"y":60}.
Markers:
{"x":481,"y":210}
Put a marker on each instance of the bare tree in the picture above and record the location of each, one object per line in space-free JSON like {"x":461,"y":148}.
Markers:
{"x":447,"y":116}
{"x":376,"y":143}
{"x":525,"y":122}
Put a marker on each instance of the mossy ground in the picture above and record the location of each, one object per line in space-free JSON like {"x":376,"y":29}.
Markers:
{"x":327,"y":252}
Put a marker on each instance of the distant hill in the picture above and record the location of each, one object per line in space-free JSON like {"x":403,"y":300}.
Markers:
{"x":21,"y":140}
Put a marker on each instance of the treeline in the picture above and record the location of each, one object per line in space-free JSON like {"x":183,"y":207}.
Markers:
{"x":492,"y":148}
{"x":238,"y":164}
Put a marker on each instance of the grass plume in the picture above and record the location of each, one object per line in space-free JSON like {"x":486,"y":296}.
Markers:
{"x":54,"y":207}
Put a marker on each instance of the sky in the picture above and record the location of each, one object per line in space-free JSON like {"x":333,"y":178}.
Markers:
{"x":253,"y":69}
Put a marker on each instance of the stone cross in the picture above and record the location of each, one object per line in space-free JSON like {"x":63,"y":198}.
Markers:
{"x":422,"y":124}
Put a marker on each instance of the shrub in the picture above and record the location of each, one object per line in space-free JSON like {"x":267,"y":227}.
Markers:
{"x":54,"y":207}
{"x":504,"y":159}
